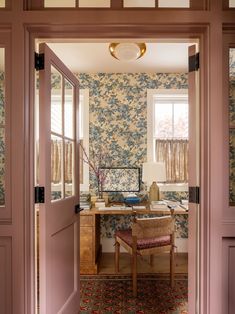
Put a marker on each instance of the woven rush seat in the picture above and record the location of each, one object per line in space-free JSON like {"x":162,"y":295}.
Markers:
{"x":146,"y":243}
{"x":147,"y":236}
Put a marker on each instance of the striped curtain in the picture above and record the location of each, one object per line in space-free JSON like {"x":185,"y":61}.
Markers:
{"x":56,"y":161}
{"x":174,"y":152}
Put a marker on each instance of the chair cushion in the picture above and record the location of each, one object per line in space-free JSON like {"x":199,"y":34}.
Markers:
{"x":126,"y":236}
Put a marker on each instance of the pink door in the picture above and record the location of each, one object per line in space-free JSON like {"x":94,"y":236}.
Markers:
{"x":194,"y":180}
{"x":58,"y":173}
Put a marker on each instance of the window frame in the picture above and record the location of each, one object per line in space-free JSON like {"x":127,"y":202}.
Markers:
{"x":151,"y":138}
{"x":84,"y":93}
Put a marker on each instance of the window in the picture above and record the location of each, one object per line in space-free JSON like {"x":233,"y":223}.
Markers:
{"x":84,"y":137}
{"x":2,"y":128}
{"x":168,"y":132}
{"x":231,"y":3}
{"x":2,"y":4}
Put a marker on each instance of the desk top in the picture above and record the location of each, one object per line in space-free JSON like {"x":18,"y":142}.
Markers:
{"x":122,"y":210}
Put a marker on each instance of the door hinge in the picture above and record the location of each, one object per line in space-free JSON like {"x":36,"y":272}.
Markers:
{"x":194,"y":194}
{"x":39,"y":61}
{"x":193,"y":63}
{"x":39,"y":194}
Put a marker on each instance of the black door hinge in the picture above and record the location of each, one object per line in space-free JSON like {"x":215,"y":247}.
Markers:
{"x":39,"y":61}
{"x":39,"y":194}
{"x":193,"y":63}
{"x":194,"y":194}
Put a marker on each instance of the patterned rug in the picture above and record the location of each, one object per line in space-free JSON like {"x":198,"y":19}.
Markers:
{"x":111,"y":294}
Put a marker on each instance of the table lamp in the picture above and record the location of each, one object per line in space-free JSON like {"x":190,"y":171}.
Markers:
{"x":153,"y":172}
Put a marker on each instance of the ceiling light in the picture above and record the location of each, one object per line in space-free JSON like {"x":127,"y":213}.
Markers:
{"x":127,"y":51}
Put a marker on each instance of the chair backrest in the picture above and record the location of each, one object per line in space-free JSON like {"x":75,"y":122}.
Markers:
{"x":153,"y":227}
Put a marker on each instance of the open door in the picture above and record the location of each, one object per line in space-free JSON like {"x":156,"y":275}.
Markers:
{"x":194,"y":178}
{"x":59,"y":175}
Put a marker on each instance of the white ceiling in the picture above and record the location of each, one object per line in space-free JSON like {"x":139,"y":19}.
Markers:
{"x":95,"y":57}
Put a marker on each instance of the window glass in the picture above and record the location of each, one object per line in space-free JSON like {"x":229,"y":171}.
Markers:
{"x":232,"y":126}
{"x":68,"y":110}
{"x":56,"y":101}
{"x":173,"y":3}
{"x":59,"y":3}
{"x":84,"y":137}
{"x":56,"y":167}
{"x":2,"y":126}
{"x":94,"y":3}
{"x":171,"y":119}
{"x":139,"y":3}
{"x":232,"y":3}
{"x":2,"y":3}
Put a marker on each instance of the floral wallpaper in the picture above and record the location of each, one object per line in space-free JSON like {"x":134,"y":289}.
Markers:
{"x":2,"y":139}
{"x":118,"y":112}
{"x":118,"y":119}
{"x":232,"y":125}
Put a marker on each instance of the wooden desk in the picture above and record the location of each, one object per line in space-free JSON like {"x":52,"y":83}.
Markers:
{"x":90,"y":247}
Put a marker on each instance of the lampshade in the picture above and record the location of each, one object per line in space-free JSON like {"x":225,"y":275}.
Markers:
{"x":127,"y":51}
{"x":154,"y":171}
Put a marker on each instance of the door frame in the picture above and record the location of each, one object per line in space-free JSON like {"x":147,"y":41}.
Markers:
{"x":99,"y":32}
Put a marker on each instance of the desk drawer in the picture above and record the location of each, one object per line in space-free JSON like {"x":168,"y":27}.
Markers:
{"x":86,"y":220}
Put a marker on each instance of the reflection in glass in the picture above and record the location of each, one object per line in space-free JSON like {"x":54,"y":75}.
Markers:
{"x":56,"y":101}
{"x":68,"y":111}
{"x":69,"y":168}
{"x":232,"y":126}
{"x":2,"y":126}
{"x":56,"y":168}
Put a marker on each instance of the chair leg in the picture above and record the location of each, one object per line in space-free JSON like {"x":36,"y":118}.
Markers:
{"x":172,"y":267}
{"x":134,"y":274}
{"x":117,"y":253}
{"x":151,"y":260}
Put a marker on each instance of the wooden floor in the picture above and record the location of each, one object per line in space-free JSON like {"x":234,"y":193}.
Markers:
{"x":161,"y":264}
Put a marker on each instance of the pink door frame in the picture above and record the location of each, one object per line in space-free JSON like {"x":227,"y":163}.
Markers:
{"x":198,"y":32}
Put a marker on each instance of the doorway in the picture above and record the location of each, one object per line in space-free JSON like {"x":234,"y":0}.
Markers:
{"x":102,"y":109}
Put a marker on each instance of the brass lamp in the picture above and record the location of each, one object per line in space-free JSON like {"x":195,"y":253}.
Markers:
{"x":153,"y":172}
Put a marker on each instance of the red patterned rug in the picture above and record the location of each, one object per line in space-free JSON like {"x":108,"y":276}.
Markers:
{"x":110,"y":294}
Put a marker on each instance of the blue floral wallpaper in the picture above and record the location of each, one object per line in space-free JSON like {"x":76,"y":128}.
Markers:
{"x":232,"y":124}
{"x":118,"y":112}
{"x":2,"y":139}
{"x":118,"y":120}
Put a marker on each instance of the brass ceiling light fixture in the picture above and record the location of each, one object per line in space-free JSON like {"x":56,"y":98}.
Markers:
{"x":127,"y":51}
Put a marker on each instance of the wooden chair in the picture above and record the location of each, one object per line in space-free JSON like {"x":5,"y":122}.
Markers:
{"x":148,"y":236}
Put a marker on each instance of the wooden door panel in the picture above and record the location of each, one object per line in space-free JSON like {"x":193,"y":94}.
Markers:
{"x":59,"y":224}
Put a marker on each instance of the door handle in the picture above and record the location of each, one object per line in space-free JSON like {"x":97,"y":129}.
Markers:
{"x":77,"y":209}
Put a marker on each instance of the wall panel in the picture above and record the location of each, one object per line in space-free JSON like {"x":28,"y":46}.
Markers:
{"x":5,"y":275}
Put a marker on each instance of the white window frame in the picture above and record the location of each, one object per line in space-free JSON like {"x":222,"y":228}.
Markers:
{"x":84,"y":103}
{"x":151,"y":139}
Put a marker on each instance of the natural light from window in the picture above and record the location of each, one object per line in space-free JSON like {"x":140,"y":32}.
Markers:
{"x":232,"y":3}
{"x":171,"y":119}
{"x":139,"y":3}
{"x":59,"y":4}
{"x":173,"y":3}
{"x":2,"y":3}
